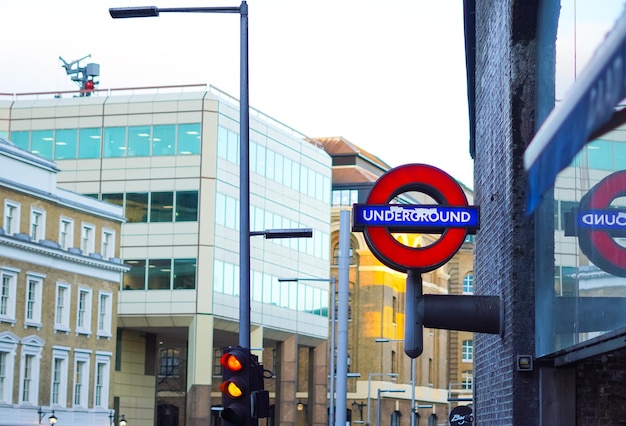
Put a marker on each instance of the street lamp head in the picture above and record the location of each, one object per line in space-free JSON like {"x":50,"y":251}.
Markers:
{"x":134,"y":12}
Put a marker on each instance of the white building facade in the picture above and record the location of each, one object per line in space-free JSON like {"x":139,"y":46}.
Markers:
{"x":171,"y":160}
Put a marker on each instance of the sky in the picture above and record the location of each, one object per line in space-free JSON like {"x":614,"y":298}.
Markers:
{"x":387,"y":76}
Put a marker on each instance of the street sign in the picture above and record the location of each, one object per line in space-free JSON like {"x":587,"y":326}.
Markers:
{"x":412,"y":217}
{"x":597,"y":224}
{"x":452,"y":217}
{"x":461,"y":416}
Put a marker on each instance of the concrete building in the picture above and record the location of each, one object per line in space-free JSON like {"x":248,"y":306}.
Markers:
{"x":59,"y":275}
{"x":171,"y":161}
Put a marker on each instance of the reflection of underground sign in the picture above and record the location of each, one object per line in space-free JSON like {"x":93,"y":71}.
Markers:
{"x":598,"y":245}
{"x":428,"y":180}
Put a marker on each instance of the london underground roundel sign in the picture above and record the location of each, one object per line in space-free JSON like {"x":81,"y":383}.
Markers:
{"x":598,"y":223}
{"x":452,"y":217}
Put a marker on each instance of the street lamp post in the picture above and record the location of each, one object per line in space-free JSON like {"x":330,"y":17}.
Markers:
{"x":331,"y":280}
{"x":413,"y":408}
{"x":244,"y":149}
{"x":369,"y":383}
{"x":378,"y":402}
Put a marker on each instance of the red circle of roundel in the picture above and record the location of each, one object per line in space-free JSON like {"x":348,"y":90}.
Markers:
{"x":431,"y":181}
{"x":599,"y":246}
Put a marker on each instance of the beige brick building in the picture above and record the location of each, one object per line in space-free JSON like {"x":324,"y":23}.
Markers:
{"x":59,"y":279}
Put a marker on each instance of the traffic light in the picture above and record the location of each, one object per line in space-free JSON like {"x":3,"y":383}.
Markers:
{"x":244,"y":397}
{"x":235,"y":386}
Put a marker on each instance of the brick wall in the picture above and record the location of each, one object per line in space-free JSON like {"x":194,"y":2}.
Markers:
{"x":601,"y":390}
{"x":504,"y":254}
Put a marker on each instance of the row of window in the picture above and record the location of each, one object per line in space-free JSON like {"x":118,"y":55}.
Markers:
{"x":160,"y":274}
{"x":111,"y":142}
{"x":37,"y":230}
{"x":227,"y":215}
{"x":266,"y":288}
{"x":275,"y":166}
{"x":168,"y":139}
{"x":29,"y":373}
{"x":33,"y":304}
{"x":162,"y":206}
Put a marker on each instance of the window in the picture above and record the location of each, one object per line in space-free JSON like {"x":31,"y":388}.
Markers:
{"x":217,"y":365}
{"x":189,"y":139}
{"x":11,"y":223}
{"x":89,"y":142}
{"x":139,"y":141}
{"x":163,"y":139}
{"x":21,"y":139}
{"x":8,"y":347}
{"x":66,"y":233}
{"x":4,"y":359}
{"x":345,"y":197}
{"x":101,"y":380}
{"x":37,"y":224}
{"x":65,"y":144}
{"x":28,"y":364}
{"x":62,"y":308}
{"x":468,"y":284}
{"x":108,"y":243}
{"x":184,"y":274}
{"x":169,"y":362}
{"x":83,"y":313}
{"x":336,"y":255}
{"x":135,"y":279}
{"x":467,"y":351}
{"x":114,"y":142}
{"x":34,"y":287}
{"x":81,"y":378}
{"x":159,"y":273}
{"x":41,"y":143}
{"x":137,"y":207}
{"x":186,"y":206}
{"x":87,"y":238}
{"x":161,"y":206}
{"x":32,"y":347}
{"x":104,"y":314}
{"x":8,"y":294}
{"x":58,"y":387}
{"x":466,"y":380}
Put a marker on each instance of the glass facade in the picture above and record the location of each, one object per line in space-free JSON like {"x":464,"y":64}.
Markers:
{"x":265,"y":288}
{"x":160,"y":274}
{"x":111,"y":142}
{"x":163,"y":206}
{"x":581,"y":248}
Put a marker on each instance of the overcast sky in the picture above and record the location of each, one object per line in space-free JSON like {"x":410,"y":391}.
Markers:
{"x":388,"y":76}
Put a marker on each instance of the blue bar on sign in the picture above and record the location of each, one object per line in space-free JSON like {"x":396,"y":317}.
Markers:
{"x":417,"y":217}
{"x":611,"y":219}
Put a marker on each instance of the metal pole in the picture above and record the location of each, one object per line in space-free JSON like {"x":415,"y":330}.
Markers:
{"x":244,"y":184}
{"x":378,"y":408}
{"x":331,"y":410}
{"x":342,"y":323}
{"x":369,"y":382}
{"x":413,"y":408}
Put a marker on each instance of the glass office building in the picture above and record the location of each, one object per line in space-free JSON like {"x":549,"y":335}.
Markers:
{"x":172,"y":161}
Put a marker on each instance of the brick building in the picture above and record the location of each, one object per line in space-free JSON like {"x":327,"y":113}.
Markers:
{"x":563,"y":301}
{"x":377,"y":311}
{"x":59,"y":274}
